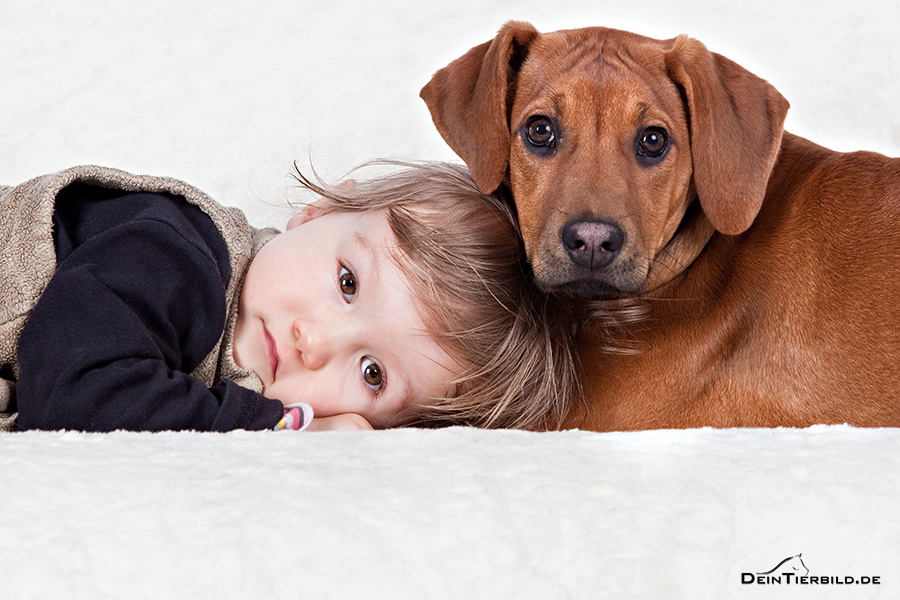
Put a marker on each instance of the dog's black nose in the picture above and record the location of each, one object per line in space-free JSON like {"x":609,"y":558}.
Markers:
{"x":592,"y":244}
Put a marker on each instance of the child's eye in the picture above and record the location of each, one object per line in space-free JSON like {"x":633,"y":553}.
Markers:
{"x":372,"y":374}
{"x":348,"y":284}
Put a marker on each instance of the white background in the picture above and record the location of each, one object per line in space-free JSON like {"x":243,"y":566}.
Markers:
{"x":226,"y":94}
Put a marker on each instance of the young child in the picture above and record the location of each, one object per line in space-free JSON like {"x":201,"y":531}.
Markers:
{"x":139,"y":303}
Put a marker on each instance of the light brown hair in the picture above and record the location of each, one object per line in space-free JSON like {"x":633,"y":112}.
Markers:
{"x":461,"y":254}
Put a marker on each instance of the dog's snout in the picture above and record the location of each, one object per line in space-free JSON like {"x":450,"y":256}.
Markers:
{"x":592,"y":244}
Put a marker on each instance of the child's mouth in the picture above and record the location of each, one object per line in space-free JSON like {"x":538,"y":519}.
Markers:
{"x":271,"y":351}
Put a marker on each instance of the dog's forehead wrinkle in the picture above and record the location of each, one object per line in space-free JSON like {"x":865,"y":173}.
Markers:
{"x":547,"y":94}
{"x":575,"y":52}
{"x":643,"y":109}
{"x":623,"y":101}
{"x":557,"y":102}
{"x":551,"y":62}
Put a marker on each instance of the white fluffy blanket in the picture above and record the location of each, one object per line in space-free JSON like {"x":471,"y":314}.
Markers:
{"x":456,"y":513}
{"x":225,"y":94}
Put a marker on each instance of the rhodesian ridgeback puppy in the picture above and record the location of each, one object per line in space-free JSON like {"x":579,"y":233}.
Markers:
{"x":656,"y":174}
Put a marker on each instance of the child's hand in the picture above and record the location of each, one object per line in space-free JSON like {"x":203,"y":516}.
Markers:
{"x":297,"y":417}
{"x":344,"y":422}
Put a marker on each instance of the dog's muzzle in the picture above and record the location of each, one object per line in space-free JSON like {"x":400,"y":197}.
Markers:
{"x":591,"y":244}
{"x":589,"y":261}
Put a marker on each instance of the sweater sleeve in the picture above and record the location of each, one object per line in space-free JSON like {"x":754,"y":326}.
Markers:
{"x":114,"y":337}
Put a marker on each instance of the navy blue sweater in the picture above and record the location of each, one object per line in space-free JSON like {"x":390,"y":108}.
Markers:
{"x":136,"y":303}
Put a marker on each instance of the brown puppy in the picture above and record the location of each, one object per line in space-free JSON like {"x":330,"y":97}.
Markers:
{"x":657,"y":170}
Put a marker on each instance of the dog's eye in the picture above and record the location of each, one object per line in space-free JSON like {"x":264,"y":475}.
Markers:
{"x":652,"y":142}
{"x":539,"y":133}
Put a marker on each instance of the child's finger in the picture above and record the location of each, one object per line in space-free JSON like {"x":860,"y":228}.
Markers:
{"x":297,"y":417}
{"x":344,"y":422}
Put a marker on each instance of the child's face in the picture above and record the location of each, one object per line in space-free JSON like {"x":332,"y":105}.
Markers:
{"x":326,"y":317}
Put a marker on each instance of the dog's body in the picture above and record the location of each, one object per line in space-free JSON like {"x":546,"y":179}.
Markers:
{"x":794,"y":322}
{"x":766,"y":265}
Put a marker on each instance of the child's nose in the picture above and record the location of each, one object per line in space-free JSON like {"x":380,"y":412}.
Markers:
{"x":315,"y":343}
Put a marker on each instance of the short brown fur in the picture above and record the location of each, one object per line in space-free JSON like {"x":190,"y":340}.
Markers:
{"x":766,"y":265}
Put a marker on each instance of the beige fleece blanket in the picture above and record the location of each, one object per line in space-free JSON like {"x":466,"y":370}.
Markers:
{"x":28,"y":260}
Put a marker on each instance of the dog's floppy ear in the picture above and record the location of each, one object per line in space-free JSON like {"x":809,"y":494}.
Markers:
{"x":736,"y":122}
{"x":469,"y":102}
